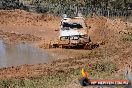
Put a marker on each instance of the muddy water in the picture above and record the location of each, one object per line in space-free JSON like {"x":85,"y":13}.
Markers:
{"x":20,"y":54}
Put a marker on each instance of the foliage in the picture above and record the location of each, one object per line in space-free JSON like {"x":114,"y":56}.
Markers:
{"x":98,"y":3}
{"x":86,"y":7}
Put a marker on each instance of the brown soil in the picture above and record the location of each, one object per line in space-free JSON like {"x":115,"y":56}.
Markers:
{"x":22,"y":22}
{"x":15,"y":38}
{"x":103,"y":29}
{"x":23,"y":26}
{"x":111,"y":32}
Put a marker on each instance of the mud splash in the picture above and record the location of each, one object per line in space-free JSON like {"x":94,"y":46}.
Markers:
{"x":20,"y":54}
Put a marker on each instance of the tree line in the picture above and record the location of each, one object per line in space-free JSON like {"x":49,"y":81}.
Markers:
{"x":86,"y":7}
{"x":112,"y":4}
{"x":72,"y":7}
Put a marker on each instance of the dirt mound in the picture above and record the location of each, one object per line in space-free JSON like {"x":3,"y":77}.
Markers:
{"x":102,"y":29}
{"x":22,"y":22}
{"x":117,"y":25}
{"x":22,"y":17}
{"x":112,"y":32}
{"x":98,"y":31}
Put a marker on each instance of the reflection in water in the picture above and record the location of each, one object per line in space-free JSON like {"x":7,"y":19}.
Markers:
{"x":15,"y":55}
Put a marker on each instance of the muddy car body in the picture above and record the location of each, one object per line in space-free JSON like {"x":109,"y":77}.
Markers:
{"x":73,"y":31}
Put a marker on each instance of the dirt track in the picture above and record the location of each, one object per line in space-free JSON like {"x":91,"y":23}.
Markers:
{"x":22,"y":26}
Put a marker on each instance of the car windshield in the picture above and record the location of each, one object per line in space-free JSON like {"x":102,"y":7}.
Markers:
{"x":72,"y":25}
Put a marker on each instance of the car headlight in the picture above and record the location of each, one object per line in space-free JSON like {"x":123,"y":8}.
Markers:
{"x":83,"y":36}
{"x":74,"y":37}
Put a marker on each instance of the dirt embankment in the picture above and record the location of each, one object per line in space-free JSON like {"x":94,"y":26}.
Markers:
{"x":104,"y":29}
{"x":15,"y":38}
{"x":112,"y":33}
{"x":19,"y":21}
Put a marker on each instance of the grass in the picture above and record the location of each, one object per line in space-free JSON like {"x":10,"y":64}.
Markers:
{"x":127,"y":38}
{"x":49,"y":81}
{"x":40,"y":82}
{"x":60,"y":79}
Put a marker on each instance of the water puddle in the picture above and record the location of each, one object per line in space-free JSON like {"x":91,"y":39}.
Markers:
{"x":20,"y":54}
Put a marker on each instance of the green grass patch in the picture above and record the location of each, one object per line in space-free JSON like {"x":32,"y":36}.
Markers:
{"x":127,"y":38}
{"x":120,"y":87}
{"x":40,"y":82}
